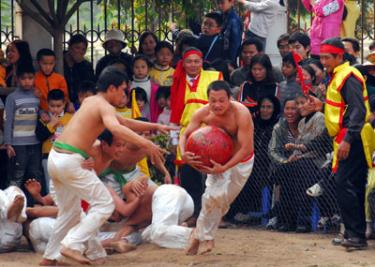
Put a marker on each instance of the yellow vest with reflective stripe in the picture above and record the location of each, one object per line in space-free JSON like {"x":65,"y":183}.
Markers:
{"x":335,"y":109}
{"x":196,"y":100}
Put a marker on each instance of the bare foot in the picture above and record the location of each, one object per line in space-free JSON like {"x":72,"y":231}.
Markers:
{"x":46,"y":262}
{"x":122,"y":246}
{"x":193,"y":247}
{"x":98,"y":261}
{"x":209,"y":245}
{"x":14,"y":211}
{"x":74,"y":255}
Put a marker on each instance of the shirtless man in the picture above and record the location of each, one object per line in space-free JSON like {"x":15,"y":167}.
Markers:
{"x":73,"y":183}
{"x":224,"y":182}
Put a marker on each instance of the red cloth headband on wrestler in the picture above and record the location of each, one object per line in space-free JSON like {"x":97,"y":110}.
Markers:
{"x":326,"y":48}
{"x":192,"y":52}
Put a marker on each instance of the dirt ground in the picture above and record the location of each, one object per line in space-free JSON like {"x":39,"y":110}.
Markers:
{"x":235,"y":247}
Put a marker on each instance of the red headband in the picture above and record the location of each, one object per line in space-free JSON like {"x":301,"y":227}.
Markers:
{"x":326,"y":48}
{"x":192,"y":52}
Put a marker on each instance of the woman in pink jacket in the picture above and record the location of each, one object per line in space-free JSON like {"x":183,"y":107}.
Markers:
{"x":327,"y":21}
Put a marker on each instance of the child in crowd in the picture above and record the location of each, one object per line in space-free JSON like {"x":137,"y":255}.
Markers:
{"x":142,"y":102}
{"x":47,"y":133}
{"x":210,"y":41}
{"x":87,"y":88}
{"x":288,"y":88}
{"x":123,"y":109}
{"x":141,"y":67}
{"x":162,"y":72}
{"x":300,"y":43}
{"x":47,"y":79}
{"x":21,"y":116}
{"x":163,"y":99}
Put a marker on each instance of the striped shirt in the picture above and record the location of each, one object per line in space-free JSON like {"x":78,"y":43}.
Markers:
{"x":21,"y":116}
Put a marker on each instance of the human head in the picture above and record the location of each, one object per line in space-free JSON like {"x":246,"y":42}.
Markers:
{"x":77,"y":47}
{"x":114,"y":42}
{"x":56,"y":101}
{"x":303,"y":105}
{"x":219,"y":93}
{"x":332,"y":53}
{"x":269,"y":108}
{"x":113,"y":83}
{"x":289,"y":67}
{"x":283,"y":44}
{"x":164,"y":53}
{"x":18,"y":52}
{"x":212,"y":23}
{"x":224,"y":5}
{"x":308,"y":74}
{"x":318,"y":68}
{"x":140,"y":97}
{"x":261,"y":69}
{"x":300,"y":43}
{"x":47,"y":60}
{"x":86,"y":89}
{"x":141,"y":66}
{"x":192,"y":61}
{"x":125,"y":100}
{"x":249,"y":48}
{"x":185,"y":43}
{"x":111,"y":145}
{"x":147,"y":44}
{"x":290,"y":111}
{"x":25,"y":76}
{"x":163,"y":96}
{"x":351,"y":46}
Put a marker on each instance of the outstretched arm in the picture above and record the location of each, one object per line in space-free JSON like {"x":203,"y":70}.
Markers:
{"x":141,"y":126}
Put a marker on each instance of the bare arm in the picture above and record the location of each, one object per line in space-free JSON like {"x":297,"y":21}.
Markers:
{"x":127,"y":208}
{"x":141,"y":126}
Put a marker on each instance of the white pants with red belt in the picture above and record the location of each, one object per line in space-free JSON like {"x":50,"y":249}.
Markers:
{"x":221,"y":191}
{"x":71,"y":184}
{"x":171,"y":206}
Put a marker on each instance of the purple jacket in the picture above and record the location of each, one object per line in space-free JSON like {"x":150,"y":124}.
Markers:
{"x":327,"y":21}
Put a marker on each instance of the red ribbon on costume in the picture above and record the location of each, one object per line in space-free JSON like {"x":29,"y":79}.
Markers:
{"x":179,"y":87}
{"x":326,"y":48}
{"x":297,"y":59}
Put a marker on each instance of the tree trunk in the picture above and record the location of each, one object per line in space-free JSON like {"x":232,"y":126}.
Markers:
{"x":58,"y":48}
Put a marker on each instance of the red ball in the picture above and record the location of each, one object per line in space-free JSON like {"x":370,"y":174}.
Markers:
{"x":210,"y":143}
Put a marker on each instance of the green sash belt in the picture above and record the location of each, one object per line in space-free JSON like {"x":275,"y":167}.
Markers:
{"x":118,"y":175}
{"x":70,"y":148}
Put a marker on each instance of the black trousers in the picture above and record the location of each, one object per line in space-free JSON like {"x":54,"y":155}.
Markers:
{"x":194,"y":183}
{"x":350,"y":182}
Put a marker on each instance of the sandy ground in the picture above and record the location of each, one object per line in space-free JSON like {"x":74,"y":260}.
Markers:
{"x":235,"y":247}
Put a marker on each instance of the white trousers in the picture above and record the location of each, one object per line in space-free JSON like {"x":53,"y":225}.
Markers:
{"x":41,"y":230}
{"x":221,"y":191}
{"x":10,"y":232}
{"x":73,"y":184}
{"x":171,"y":206}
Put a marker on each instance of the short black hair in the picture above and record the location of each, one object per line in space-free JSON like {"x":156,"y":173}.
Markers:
{"x":106,"y":136}
{"x":140,"y":94}
{"x":142,"y":57}
{"x":316,"y":62}
{"x":87,"y":86}
{"x":335,"y":41}
{"x":163,"y":44}
{"x":372,"y":45}
{"x":300,"y":37}
{"x":189,"y":41}
{"x":78,"y":38}
{"x":283,"y":37}
{"x":288,"y":59}
{"x":354,"y":42}
{"x":24,"y":69}
{"x":216,"y":16}
{"x":253,"y":41}
{"x":163,"y":92}
{"x":288,"y":99}
{"x":44,"y":52}
{"x":219,"y":85}
{"x":56,"y":94}
{"x":111,"y":76}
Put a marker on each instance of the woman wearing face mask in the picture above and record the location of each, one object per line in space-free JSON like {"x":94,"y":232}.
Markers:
{"x":260,"y":85}
{"x":250,"y":198}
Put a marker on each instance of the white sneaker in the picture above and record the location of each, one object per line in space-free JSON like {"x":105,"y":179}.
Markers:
{"x":272,"y":223}
{"x":315,"y":190}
